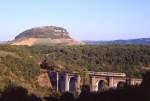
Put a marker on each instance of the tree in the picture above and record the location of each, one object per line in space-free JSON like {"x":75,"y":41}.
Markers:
{"x":86,"y":78}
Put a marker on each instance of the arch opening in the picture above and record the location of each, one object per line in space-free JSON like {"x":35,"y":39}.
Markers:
{"x":61,"y":84}
{"x":102,"y":85}
{"x":53,"y":79}
{"x":121,"y":84}
{"x":72,"y":84}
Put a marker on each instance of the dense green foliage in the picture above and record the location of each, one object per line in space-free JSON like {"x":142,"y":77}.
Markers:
{"x":130,"y":59}
{"x":19,"y":64}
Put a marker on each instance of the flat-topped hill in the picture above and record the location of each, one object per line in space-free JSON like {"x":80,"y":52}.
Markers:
{"x":52,"y":32}
{"x":45,"y":35}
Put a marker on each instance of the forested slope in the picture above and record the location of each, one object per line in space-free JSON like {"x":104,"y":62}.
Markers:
{"x":20,"y":64}
{"x":130,"y":59}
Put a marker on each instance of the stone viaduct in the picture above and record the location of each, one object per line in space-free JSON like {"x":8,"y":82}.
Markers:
{"x":112,"y":80}
{"x":63,"y":81}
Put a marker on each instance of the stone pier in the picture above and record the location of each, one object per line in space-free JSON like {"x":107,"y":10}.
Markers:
{"x":111,"y":82}
{"x":66,"y":82}
{"x":78,"y":84}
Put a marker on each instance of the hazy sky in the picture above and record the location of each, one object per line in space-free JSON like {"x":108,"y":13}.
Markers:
{"x":84,"y":19}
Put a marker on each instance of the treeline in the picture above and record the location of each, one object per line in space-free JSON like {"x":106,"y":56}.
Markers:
{"x":126,"y":93}
{"x":131,"y":59}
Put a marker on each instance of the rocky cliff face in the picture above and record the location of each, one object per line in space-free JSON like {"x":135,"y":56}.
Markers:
{"x":46,"y":35}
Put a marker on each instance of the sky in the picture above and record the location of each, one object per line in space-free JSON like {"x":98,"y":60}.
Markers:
{"x":84,"y":19}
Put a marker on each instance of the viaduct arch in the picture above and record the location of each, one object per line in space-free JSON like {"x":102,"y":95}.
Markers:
{"x":99,"y":81}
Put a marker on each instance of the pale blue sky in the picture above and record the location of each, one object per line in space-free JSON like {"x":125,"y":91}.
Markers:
{"x":84,"y":19}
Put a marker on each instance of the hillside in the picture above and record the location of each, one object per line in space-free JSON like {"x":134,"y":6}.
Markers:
{"x":45,"y":35}
{"x":20,"y":64}
{"x":141,"y":41}
{"x":130,"y":59}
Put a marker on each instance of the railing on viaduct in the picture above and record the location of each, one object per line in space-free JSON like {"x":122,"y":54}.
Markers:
{"x":111,"y":74}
